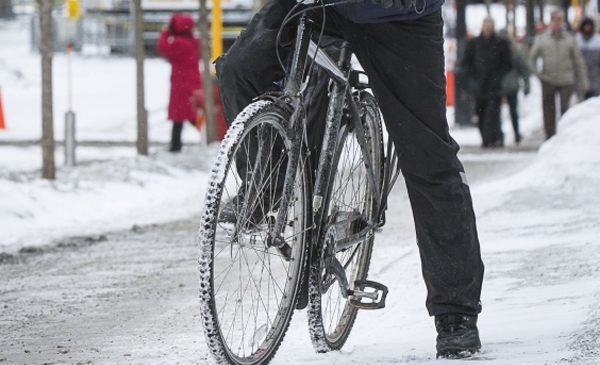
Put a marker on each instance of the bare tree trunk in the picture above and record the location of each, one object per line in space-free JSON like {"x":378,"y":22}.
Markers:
{"x":142,"y":116}
{"x":513,"y":24}
{"x":530,"y":25}
{"x":46,"y":38}
{"x":209,"y":100}
{"x":487,"y":7}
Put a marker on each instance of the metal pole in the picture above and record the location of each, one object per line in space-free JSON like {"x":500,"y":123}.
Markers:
{"x":70,"y":115}
{"x":70,"y":138}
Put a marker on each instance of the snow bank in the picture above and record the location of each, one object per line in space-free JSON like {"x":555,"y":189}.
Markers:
{"x":98,"y":196}
{"x":567,"y":165}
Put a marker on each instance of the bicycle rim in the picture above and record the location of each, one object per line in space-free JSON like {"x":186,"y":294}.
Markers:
{"x":248,"y":290}
{"x":331,"y":316}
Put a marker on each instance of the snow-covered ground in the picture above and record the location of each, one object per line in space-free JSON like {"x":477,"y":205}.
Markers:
{"x":539,"y":228}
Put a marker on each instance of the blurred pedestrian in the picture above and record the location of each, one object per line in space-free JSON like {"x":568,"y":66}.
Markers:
{"x":562,"y":60}
{"x":486,"y":61}
{"x":511,"y":82}
{"x":182,"y":48}
{"x":589,"y":44}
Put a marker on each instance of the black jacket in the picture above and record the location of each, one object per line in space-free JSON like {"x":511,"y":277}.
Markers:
{"x":368,"y":12}
{"x":485,"y":63}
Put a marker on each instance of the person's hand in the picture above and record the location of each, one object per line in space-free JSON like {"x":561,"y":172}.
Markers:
{"x":400,"y":4}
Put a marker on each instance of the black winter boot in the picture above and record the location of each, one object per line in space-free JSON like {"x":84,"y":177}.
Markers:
{"x":458,"y":336}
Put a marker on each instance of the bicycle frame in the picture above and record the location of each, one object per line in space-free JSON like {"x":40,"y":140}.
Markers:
{"x":297,"y":79}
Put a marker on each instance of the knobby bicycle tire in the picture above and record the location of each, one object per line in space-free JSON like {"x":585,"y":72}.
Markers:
{"x":331,"y":316}
{"x":249,"y":290}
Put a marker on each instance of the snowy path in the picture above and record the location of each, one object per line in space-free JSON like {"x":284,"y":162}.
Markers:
{"x":130,"y":297}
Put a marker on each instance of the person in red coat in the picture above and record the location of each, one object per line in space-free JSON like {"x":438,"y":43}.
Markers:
{"x":179,"y":45}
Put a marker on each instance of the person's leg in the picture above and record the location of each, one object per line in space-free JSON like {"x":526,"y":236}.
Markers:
{"x":496,"y":133}
{"x":513,"y":104}
{"x":549,"y":107}
{"x":488,"y":124}
{"x":176,"y":136}
{"x":565,"y":93}
{"x":485,"y":124}
{"x":480,"y":107}
{"x":405,"y":64}
{"x":251,"y":67}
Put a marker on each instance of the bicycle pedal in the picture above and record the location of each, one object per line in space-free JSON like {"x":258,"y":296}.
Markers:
{"x":368,"y":295}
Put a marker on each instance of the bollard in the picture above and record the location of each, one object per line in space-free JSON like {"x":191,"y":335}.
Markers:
{"x":70,"y":138}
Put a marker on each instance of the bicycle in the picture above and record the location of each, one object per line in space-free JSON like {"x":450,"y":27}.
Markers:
{"x":300,"y":232}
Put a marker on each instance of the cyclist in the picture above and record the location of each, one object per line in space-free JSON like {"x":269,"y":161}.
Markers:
{"x":399,"y":44}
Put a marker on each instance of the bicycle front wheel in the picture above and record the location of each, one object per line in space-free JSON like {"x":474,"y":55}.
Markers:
{"x":249,"y":289}
{"x":331,"y":316}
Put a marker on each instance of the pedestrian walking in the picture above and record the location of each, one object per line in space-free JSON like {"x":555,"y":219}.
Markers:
{"x":562,"y":61}
{"x":511,"y":83}
{"x":179,"y":45}
{"x":486,"y":61}
{"x":589,"y":44}
{"x":400,"y":46}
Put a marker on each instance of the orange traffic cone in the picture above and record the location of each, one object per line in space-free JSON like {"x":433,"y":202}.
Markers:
{"x":2,"y":125}
{"x":449,"y":87}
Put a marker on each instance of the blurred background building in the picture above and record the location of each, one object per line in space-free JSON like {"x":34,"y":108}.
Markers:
{"x":106,"y":26}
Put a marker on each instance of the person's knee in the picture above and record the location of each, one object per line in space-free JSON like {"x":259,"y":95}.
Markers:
{"x":228,"y":70}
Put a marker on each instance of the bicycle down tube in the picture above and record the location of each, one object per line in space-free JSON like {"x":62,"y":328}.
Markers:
{"x":292,"y":94}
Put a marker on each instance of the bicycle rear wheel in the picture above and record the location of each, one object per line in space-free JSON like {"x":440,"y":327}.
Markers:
{"x":330,"y":315}
{"x":248,"y":289}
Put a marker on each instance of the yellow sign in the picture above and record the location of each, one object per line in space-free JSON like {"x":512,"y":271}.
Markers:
{"x":73,"y":10}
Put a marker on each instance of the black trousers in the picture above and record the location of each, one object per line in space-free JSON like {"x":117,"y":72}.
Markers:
{"x":488,"y":112}
{"x":405,"y":65}
{"x":513,"y":104}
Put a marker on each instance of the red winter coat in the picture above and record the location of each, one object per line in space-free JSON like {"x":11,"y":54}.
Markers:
{"x":182,"y":49}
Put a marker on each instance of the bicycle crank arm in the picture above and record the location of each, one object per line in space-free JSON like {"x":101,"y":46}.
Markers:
{"x":368,"y":295}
